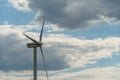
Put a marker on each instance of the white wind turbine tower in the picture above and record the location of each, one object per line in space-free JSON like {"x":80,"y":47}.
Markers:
{"x":34,"y":45}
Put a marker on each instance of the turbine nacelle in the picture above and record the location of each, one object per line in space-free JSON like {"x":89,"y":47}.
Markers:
{"x":32,"y":45}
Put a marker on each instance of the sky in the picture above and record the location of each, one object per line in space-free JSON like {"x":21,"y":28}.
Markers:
{"x":81,"y":39}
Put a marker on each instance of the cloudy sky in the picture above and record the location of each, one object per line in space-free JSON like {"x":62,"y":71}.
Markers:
{"x":81,"y":39}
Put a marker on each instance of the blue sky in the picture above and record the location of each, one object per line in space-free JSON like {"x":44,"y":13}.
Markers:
{"x":13,"y":16}
{"x":79,"y":41}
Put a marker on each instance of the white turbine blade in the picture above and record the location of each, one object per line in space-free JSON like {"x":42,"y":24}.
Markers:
{"x":42,"y":30}
{"x":31,"y":38}
{"x":44,"y":61}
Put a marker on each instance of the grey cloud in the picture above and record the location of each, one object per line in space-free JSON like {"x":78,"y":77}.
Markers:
{"x":75,"y":14}
{"x":112,"y":8}
{"x":61,"y":51}
{"x":54,"y":59}
{"x":14,"y":54}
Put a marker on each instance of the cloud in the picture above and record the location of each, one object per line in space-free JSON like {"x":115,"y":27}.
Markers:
{"x":78,"y":13}
{"x":21,"y":5}
{"x":79,"y":53}
{"x":20,"y":75}
{"x":72,"y":14}
{"x":103,"y":73}
{"x":11,"y":46}
{"x":61,"y":51}
{"x":16,"y":56}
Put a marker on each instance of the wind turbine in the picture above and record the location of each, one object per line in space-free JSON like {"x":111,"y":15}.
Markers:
{"x":34,"y":45}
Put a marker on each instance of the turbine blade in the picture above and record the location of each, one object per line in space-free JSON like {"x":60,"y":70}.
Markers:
{"x":31,"y":38}
{"x":44,"y":61}
{"x":42,"y":30}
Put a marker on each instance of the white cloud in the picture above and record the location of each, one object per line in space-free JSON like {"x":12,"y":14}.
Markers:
{"x":98,"y":73}
{"x":104,"y":19}
{"x":20,"y":4}
{"x":105,"y":73}
{"x":13,"y":46}
{"x":55,"y":27}
{"x":61,"y":51}
{"x":79,"y":52}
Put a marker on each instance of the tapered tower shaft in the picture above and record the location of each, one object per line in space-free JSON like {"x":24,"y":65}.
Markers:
{"x":35,"y":63}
